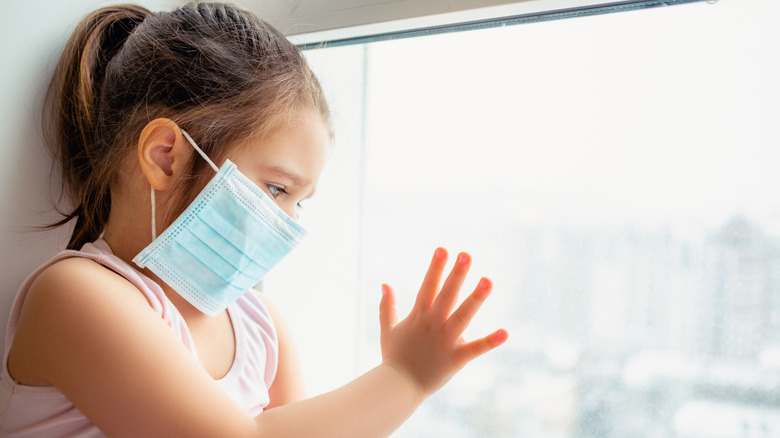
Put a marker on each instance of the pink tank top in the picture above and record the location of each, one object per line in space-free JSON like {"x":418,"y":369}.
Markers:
{"x":29,"y":411}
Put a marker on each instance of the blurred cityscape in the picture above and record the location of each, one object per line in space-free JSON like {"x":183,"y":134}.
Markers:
{"x":627,"y":334}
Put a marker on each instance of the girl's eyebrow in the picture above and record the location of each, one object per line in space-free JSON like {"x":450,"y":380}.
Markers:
{"x":284,"y":173}
{"x":297,"y":180}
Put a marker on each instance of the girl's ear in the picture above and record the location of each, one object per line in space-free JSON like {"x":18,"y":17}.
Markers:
{"x":162,"y":152}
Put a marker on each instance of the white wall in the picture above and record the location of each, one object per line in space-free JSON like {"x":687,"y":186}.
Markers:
{"x":32,"y":35}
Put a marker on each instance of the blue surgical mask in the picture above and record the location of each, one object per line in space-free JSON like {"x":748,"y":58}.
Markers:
{"x":223,"y":244}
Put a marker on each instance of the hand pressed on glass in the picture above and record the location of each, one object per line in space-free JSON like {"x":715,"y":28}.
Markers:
{"x":427,"y":346}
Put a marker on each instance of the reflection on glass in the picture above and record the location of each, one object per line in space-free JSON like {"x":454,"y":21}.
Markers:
{"x":615,"y":176}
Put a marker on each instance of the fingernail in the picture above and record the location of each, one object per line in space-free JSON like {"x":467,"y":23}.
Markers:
{"x":501,"y":335}
{"x":484,"y":283}
{"x":439,"y":253}
{"x":384,"y":289}
{"x":463,"y":258}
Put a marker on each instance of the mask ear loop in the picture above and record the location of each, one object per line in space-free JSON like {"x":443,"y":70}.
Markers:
{"x":154,"y":215}
{"x":154,"y":201}
{"x":202,"y":154}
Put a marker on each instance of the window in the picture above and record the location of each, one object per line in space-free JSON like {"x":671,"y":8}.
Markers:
{"x":613,"y":175}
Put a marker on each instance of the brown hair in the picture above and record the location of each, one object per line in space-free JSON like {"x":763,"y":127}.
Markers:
{"x":218,"y":71}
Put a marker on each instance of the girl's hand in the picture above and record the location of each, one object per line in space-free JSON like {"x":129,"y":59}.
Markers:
{"x":427,"y":345}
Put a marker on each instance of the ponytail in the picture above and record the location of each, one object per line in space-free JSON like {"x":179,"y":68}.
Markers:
{"x":69,"y":119}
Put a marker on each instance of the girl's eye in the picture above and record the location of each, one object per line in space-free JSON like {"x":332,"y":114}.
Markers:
{"x":275,"y":190}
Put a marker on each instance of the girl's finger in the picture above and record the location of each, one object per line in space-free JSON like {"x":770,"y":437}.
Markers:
{"x":471,"y":350}
{"x":430,"y":284}
{"x":388,"y":316}
{"x":461,"y":317}
{"x":448,"y":296}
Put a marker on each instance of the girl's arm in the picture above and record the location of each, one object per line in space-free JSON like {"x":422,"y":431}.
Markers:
{"x":89,"y":332}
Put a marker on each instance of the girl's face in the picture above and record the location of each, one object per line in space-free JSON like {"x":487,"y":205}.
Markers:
{"x":287,"y":164}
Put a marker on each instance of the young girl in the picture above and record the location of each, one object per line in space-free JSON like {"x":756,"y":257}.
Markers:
{"x":204,"y":125}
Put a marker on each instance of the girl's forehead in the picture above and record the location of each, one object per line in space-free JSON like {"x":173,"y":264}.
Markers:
{"x":303,"y":124}
{"x":302,"y":145}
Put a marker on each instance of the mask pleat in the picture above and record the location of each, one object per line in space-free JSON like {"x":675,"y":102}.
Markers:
{"x":266,"y":244}
{"x":230,"y":221}
{"x":213,"y":251}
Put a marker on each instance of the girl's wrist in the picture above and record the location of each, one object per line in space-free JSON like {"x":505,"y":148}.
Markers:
{"x":406,"y":378}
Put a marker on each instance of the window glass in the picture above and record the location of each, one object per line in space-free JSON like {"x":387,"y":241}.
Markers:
{"x":614,"y":176}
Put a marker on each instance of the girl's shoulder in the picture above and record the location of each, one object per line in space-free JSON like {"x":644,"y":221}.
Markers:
{"x":74,"y":279}
{"x":65,"y":302}
{"x":73,"y":268}
{"x":77,"y":284}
